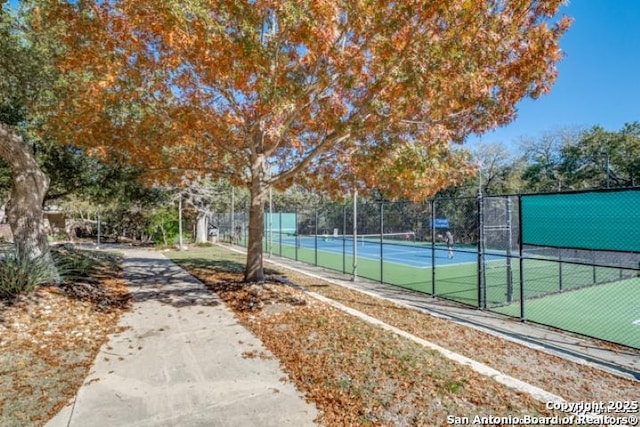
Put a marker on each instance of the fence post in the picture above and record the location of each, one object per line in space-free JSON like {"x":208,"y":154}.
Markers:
{"x":180,"y":222}
{"x":232,"y":232}
{"x":296,"y":235}
{"x":432,"y":202}
{"x":315,"y":238}
{"x":280,"y":234}
{"x":355,"y":236}
{"x":344,"y":241}
{"x":521,"y":266}
{"x":270,"y":240}
{"x":481,"y":272}
{"x":509,"y":255}
{"x":560,"y":269}
{"x":381,"y":242}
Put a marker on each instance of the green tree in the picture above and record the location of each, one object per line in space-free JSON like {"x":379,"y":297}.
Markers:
{"x":603,"y":159}
{"x":543,"y":157}
{"x":163,"y":225}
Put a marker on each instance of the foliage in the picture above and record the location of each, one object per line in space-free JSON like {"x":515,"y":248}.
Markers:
{"x":498,"y":172}
{"x":75,"y":265}
{"x":328,"y":94}
{"x":319,"y":88}
{"x":15,"y":65}
{"x":602,"y":159}
{"x":5,"y":182}
{"x":582,"y":159}
{"x":163,"y":226}
{"x":72,"y":171}
{"x":19,"y":274}
{"x":50,"y":339}
{"x":26,"y":77}
{"x":295,"y":198}
{"x":543,"y":156}
{"x":63,"y":264}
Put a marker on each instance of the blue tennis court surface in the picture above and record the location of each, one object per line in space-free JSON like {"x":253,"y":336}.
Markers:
{"x":417,"y":255}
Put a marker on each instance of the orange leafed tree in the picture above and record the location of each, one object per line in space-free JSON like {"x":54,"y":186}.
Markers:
{"x":333,"y":94}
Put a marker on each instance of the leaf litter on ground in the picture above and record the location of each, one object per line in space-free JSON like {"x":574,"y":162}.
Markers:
{"x":358,"y":374}
{"x":50,"y":337}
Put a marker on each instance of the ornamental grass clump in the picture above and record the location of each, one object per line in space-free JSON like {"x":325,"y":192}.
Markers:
{"x":19,"y":274}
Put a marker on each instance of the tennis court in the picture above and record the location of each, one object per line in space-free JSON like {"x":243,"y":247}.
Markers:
{"x":394,"y":258}
{"x":547,"y":258}
{"x":573,"y":310}
{"x":399,"y":248}
{"x":561,"y":295}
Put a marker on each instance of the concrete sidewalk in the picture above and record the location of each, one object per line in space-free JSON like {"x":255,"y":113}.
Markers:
{"x":180,"y":362}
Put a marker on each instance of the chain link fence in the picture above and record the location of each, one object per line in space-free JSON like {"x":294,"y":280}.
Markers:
{"x":515,"y":254}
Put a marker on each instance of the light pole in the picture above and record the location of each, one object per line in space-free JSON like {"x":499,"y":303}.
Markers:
{"x":99,"y":225}
{"x":180,"y":222}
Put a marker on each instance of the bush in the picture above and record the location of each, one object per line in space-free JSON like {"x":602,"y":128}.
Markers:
{"x":62,"y":264}
{"x":20,"y":275}
{"x":163,"y":227}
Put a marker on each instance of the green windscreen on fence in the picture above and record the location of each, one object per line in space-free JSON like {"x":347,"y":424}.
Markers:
{"x":280,"y":222}
{"x":591,"y":220}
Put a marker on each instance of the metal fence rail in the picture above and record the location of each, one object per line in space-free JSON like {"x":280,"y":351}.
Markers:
{"x":493,"y":264}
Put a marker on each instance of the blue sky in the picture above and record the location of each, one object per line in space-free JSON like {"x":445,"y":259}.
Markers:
{"x":599,"y":78}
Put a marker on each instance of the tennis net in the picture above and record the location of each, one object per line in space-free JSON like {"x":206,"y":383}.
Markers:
{"x":403,"y":238}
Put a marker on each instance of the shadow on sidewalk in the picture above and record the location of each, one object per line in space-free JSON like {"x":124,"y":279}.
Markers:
{"x":165,"y":282}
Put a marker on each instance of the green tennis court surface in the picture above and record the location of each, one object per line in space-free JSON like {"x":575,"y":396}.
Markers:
{"x":616,"y":319}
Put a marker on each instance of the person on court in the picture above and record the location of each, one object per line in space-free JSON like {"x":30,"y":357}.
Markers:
{"x":448,"y":238}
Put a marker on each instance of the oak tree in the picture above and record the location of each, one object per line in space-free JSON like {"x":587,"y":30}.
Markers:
{"x":334,"y":94}
{"x":19,"y":78}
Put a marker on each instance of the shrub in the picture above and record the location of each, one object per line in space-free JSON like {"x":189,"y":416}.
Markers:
{"x":18,"y":274}
{"x":73,"y":264}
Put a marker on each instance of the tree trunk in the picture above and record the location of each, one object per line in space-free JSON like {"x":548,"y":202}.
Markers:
{"x":201,"y":227}
{"x":29,"y":186}
{"x":254,"y":270}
